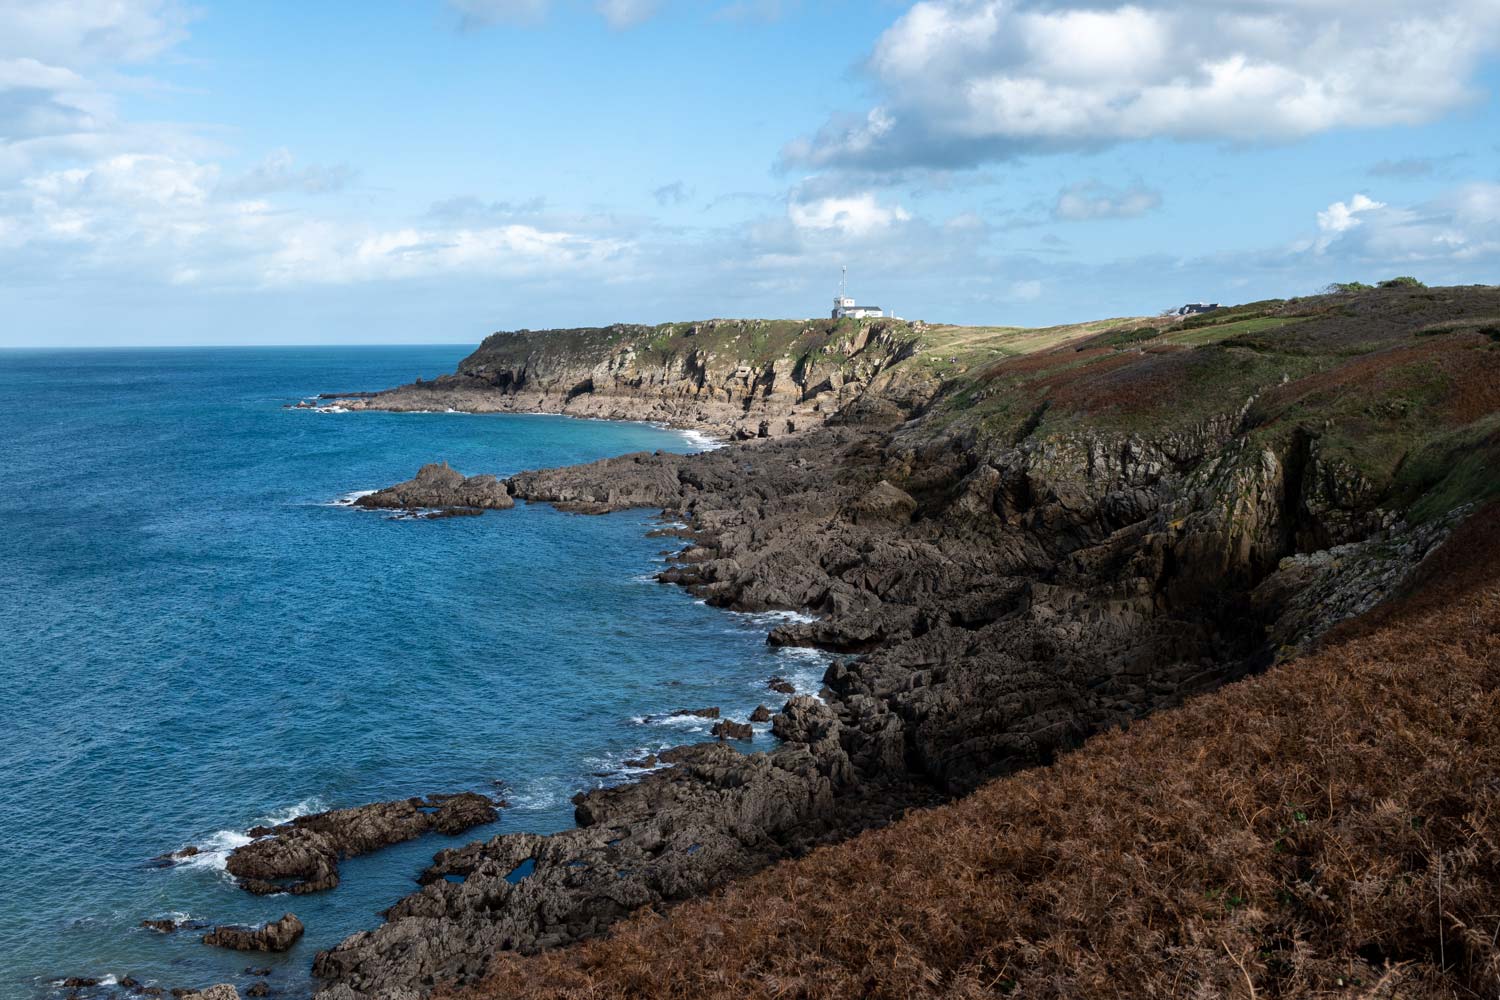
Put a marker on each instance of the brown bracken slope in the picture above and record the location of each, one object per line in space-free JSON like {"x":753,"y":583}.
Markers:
{"x":1329,"y":828}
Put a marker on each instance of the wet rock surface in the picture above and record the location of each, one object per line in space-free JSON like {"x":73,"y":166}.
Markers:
{"x":277,"y":936}
{"x":713,"y":814}
{"x":728,"y":729}
{"x":303,"y":856}
{"x":443,"y":489}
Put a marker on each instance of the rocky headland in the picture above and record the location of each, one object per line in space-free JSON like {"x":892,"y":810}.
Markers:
{"x":1024,"y":538}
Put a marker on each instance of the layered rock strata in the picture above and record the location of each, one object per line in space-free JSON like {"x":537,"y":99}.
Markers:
{"x":733,"y":379}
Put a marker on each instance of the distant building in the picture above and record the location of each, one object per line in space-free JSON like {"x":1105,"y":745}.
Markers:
{"x":1194,"y":308}
{"x":844,"y":306}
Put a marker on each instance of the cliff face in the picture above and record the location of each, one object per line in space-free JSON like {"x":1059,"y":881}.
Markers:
{"x":1017,"y":554}
{"x":730,"y":378}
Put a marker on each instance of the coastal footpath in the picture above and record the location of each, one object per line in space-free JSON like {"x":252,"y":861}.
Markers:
{"x":1022,"y":538}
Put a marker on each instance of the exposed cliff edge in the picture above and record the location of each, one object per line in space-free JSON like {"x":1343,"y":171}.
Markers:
{"x":1028,"y":538}
{"x":730,"y":378}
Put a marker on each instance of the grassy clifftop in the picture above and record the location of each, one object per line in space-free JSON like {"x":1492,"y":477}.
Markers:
{"x":1401,"y":386}
{"x":1398,"y":387}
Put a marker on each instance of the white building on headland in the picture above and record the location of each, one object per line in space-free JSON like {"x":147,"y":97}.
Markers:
{"x":844,"y":306}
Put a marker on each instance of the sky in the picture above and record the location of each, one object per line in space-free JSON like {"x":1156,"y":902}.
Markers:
{"x":430,"y":171}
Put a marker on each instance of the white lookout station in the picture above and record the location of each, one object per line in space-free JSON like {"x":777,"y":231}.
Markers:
{"x":845,"y":306}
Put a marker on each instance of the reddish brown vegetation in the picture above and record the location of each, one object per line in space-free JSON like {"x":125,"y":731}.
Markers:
{"x":1329,"y":828}
{"x":1461,"y":366}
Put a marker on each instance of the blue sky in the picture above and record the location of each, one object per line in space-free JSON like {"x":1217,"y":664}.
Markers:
{"x":433,"y":170}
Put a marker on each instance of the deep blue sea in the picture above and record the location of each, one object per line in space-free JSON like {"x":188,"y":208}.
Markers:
{"x":195,"y":637}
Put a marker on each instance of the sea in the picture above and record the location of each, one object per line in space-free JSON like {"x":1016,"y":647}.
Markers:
{"x":198,"y":635}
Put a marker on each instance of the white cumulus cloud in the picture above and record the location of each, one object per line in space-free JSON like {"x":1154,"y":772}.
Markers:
{"x":154,"y":217}
{"x":852,"y":215}
{"x":1461,"y":225}
{"x":970,"y":80}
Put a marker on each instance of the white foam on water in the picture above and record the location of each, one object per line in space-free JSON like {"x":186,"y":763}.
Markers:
{"x":805,"y":668}
{"x":702,"y":441}
{"x":213,"y":852}
{"x":688,"y":723}
{"x":308,"y":806}
{"x":615,"y":762}
{"x":774,"y":618}
{"x":536,"y":795}
{"x":330,"y":409}
{"x":348,"y":499}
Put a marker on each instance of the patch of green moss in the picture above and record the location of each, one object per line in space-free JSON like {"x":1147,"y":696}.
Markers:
{"x":1454,"y":468}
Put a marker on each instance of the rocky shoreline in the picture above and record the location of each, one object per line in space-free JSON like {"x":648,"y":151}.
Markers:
{"x":1004,"y":613}
{"x":1059,"y":543}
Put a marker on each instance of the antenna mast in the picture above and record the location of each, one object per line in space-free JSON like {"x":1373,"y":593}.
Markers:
{"x":844,"y":283}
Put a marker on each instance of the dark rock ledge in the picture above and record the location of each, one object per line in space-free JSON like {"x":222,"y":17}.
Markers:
{"x":713,"y":815}
{"x":439,"y":487}
{"x":303,"y":855}
{"x":1006,"y":602}
{"x":276,"y":936}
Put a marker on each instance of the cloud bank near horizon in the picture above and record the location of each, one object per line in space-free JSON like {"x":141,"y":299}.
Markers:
{"x":92,"y":196}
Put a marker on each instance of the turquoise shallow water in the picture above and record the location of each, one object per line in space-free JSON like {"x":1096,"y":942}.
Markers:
{"x":195,"y":637}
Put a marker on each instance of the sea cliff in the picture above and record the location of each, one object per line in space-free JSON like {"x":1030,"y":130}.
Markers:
{"x":1021,"y":539}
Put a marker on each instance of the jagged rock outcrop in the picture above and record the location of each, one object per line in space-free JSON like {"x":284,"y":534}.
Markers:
{"x":223,"y":991}
{"x":1056,"y":545}
{"x":1007,"y":605}
{"x":712,"y":815}
{"x":438,"y":486}
{"x":276,"y":936}
{"x":303,"y":856}
{"x":735,"y":379}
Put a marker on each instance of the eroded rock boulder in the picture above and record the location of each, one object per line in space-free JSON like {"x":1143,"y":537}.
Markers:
{"x":277,"y":936}
{"x":439,"y":486}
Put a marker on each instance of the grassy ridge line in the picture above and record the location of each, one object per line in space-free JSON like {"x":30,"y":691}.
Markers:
{"x":943,"y":350}
{"x":1329,"y":828}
